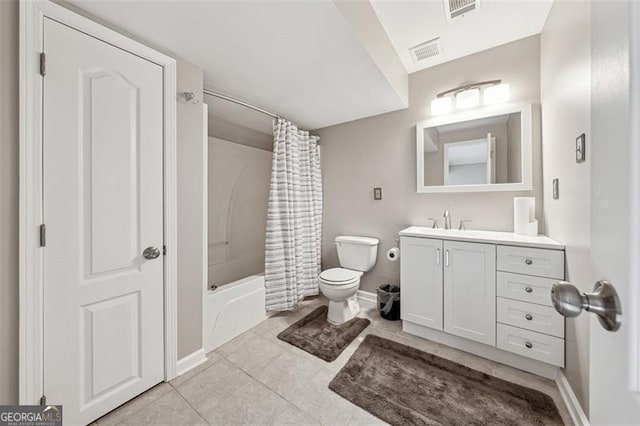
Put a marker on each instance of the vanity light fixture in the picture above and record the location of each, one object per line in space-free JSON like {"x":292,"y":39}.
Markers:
{"x":468,"y":96}
{"x":441,"y":106}
{"x":497,"y":94}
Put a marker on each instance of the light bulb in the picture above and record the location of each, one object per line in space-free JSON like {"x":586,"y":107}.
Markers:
{"x":468,"y":99}
{"x":496,"y":94}
{"x":441,"y":106}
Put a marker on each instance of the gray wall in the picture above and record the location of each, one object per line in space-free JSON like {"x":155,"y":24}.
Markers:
{"x":8,"y":202}
{"x":226,"y":130}
{"x":566,"y":99}
{"x":191,"y":205}
{"x":380,"y":151}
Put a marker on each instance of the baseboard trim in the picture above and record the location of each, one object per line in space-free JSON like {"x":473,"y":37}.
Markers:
{"x":493,"y":353}
{"x":571,"y":401}
{"x":367,"y":297}
{"x":191,"y":361}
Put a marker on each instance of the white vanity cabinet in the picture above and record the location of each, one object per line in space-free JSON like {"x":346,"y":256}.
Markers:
{"x":484,"y":292}
{"x":421,"y":302}
{"x":469,"y":301}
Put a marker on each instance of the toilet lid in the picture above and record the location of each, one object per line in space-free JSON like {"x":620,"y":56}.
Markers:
{"x":339,"y":275}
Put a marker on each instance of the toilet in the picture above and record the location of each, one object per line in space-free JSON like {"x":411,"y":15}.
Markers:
{"x":356,"y":255}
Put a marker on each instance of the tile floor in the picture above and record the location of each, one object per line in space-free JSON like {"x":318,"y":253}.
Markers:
{"x":257,"y":379}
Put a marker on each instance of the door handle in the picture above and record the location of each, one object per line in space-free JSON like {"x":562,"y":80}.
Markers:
{"x":151,"y":253}
{"x":437,"y":256}
{"x":603,"y":301}
{"x":446,"y":257}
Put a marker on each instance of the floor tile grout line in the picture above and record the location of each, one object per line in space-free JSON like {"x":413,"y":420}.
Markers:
{"x":187,"y":401}
{"x":195,"y":375}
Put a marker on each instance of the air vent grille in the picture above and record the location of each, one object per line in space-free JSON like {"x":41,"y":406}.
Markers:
{"x":426,"y":50}
{"x":455,"y":8}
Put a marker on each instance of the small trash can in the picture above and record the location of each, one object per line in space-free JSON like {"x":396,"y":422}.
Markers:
{"x":389,"y":302}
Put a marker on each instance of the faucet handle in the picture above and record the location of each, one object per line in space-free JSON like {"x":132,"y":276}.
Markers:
{"x":434,"y":222}
{"x":462,"y":227}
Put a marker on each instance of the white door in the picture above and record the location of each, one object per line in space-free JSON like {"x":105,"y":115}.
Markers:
{"x":103,"y":205}
{"x":470,"y":291}
{"x":614,"y":357}
{"x":421,"y":280}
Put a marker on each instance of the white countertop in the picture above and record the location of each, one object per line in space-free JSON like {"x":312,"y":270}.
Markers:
{"x":475,"y":236}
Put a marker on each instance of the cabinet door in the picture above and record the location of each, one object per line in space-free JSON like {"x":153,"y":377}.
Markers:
{"x":421,"y":281}
{"x":470,"y":291}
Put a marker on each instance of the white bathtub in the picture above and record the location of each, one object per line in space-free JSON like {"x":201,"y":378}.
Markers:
{"x":233,"y":309}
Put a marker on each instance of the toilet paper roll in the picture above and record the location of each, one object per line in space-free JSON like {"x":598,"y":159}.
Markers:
{"x":523,"y":214}
{"x":393,"y":254}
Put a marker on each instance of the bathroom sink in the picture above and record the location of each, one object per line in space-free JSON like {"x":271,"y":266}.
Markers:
{"x":492,"y":237}
{"x":444,"y":232}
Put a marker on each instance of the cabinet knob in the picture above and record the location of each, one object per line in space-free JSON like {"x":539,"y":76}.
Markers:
{"x":528,"y":289}
{"x":529,"y":345}
{"x":529,"y":262}
{"x":528,"y":317}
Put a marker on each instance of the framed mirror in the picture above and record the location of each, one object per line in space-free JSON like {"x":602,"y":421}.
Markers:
{"x":488,"y":149}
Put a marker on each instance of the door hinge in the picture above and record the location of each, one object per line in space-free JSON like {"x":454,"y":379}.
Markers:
{"x":43,"y":235}
{"x":164,"y":250}
{"x":43,"y":400}
{"x":43,"y":64}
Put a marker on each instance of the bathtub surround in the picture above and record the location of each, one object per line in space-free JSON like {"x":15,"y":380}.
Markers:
{"x":294,"y":218}
{"x":238,"y":191}
{"x":380,"y":152}
{"x":315,"y":335}
{"x":429,"y":389}
{"x":566,"y":107}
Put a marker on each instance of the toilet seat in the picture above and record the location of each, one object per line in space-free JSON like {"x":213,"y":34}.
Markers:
{"x":339,"y":276}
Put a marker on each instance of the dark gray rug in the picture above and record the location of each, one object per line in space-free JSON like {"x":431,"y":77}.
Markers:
{"x":317,"y":336}
{"x":404,"y":386}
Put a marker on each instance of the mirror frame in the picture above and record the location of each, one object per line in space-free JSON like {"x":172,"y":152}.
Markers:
{"x":526,"y":111}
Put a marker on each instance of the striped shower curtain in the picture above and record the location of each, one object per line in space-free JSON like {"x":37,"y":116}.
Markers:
{"x":294,"y":218}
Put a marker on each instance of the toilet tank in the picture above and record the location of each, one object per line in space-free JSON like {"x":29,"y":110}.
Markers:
{"x":357,"y":253}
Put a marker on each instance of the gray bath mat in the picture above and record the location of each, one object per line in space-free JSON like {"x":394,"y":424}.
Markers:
{"x":317,"y":336}
{"x":404,"y":386}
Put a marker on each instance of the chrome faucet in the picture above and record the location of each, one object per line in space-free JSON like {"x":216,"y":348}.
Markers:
{"x":447,"y":220}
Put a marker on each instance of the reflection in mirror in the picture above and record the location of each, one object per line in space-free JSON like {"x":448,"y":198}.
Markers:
{"x":484,"y":151}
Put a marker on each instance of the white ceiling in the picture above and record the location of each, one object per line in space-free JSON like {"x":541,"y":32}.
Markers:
{"x":496,"y":22}
{"x":301,"y":60}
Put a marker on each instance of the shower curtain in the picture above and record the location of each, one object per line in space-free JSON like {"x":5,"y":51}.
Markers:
{"x":294,"y":218}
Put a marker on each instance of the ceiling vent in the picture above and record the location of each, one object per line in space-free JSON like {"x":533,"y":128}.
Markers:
{"x":455,"y":8}
{"x":426,"y":50}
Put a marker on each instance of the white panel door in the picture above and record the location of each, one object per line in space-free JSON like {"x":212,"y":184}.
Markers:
{"x":614,"y":358}
{"x":421,"y":281}
{"x":103,"y":205}
{"x":470,"y":291}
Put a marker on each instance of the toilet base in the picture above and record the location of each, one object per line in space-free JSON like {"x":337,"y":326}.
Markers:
{"x":343,"y":310}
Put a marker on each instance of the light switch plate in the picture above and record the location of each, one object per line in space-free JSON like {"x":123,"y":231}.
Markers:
{"x":581,"y":145}
{"x":377,"y":193}
{"x":556,"y":189}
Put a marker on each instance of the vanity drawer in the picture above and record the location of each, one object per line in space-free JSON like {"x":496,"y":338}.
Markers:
{"x":526,"y":288}
{"x":542,"y":319}
{"x":530,"y":261}
{"x":534,"y":345}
